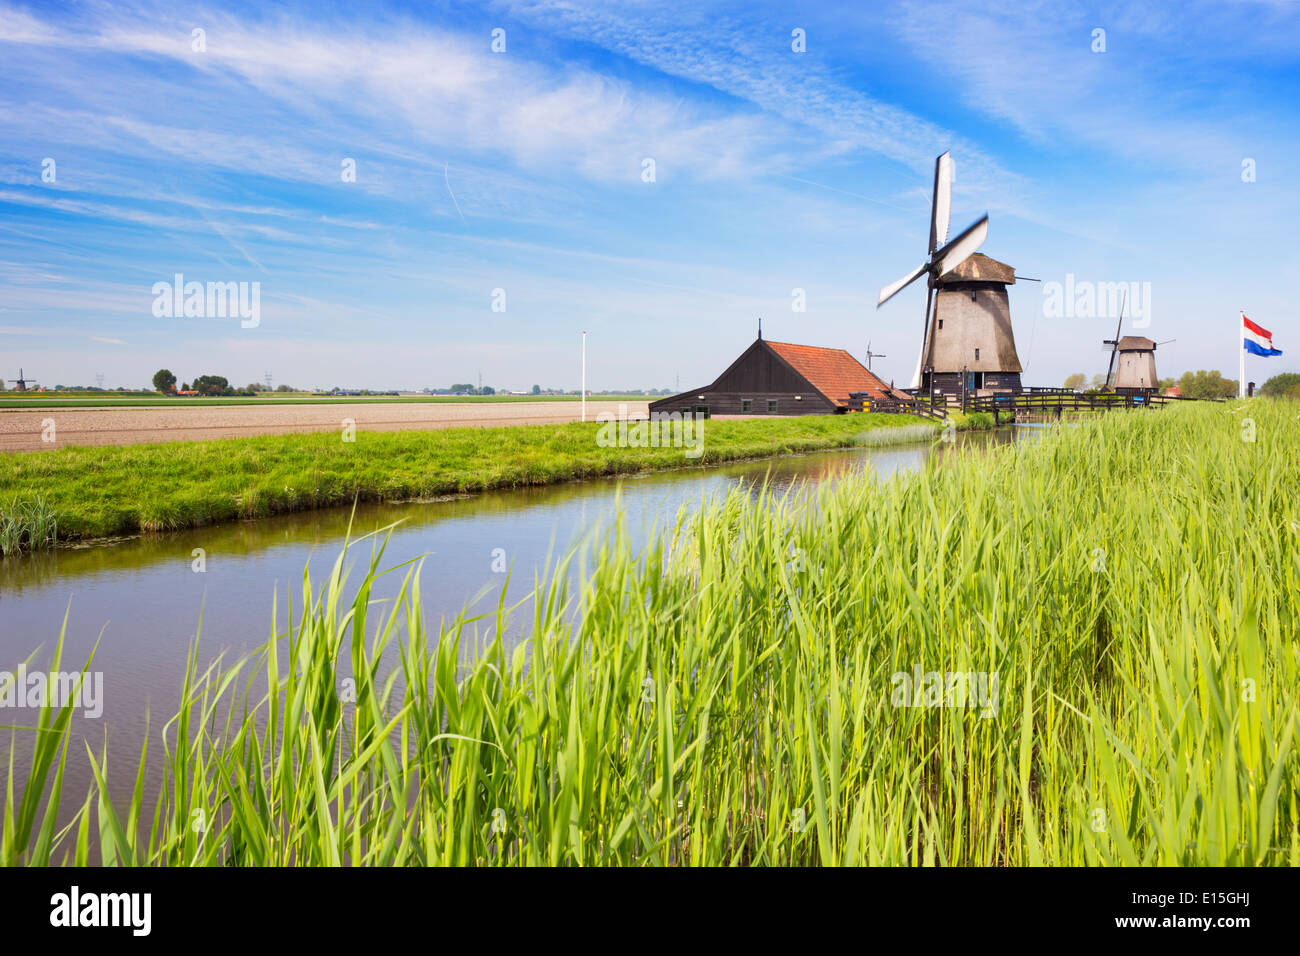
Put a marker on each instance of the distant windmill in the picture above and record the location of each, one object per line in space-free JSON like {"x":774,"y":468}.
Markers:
{"x":967,"y":340}
{"x":871,"y":355}
{"x":22,"y":382}
{"x":1133,"y":361}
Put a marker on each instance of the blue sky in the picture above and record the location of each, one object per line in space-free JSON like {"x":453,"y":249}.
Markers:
{"x":522,"y":170}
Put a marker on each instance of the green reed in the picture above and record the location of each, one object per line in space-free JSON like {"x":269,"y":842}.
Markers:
{"x":27,"y":525}
{"x":726,"y":695}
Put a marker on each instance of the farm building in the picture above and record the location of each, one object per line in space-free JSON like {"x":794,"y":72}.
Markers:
{"x":778,"y":378}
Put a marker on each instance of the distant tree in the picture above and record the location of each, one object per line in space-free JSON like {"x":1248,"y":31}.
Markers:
{"x":1203,"y":384}
{"x":1280,"y":385}
{"x":1165,"y":383}
{"x":212,"y":385}
{"x":462,"y":389}
{"x":1075,"y":381}
{"x":164,"y":381}
{"x":537,"y":389}
{"x":185,"y":387}
{"x":1098,"y":380}
{"x":284,"y":388}
{"x":487,"y":390}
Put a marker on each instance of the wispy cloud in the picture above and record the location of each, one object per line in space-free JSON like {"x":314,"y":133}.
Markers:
{"x":523,"y":171}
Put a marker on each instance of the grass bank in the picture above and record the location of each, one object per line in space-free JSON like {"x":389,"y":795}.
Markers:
{"x":100,"y":491}
{"x":1124,"y":599}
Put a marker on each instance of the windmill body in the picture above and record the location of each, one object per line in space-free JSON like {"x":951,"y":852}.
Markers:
{"x":1135,"y":365}
{"x":967,"y":345}
{"x":970,"y":334}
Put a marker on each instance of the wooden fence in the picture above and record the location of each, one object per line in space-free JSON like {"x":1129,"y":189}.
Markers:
{"x":1031,"y":403}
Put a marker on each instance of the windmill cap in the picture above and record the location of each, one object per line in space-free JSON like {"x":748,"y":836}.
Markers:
{"x":978,"y":267}
{"x":1135,"y":343}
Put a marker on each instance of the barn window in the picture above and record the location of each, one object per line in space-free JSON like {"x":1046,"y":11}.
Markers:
{"x":941,"y":323}
{"x":746,"y":404}
{"x":771,"y":406}
{"x":977,"y":355}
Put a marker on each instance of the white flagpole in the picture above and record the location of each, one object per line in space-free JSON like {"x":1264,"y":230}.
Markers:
{"x":1241,"y":348}
{"x":584,"y":375}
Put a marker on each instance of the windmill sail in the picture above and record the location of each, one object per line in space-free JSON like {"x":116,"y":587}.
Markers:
{"x":943,"y":256}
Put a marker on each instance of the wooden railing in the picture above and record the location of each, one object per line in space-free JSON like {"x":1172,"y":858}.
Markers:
{"x":1053,"y":401}
{"x":1060,"y":400}
{"x":897,"y":406}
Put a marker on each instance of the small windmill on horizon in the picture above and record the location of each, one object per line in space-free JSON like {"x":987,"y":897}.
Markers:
{"x":22,"y":382}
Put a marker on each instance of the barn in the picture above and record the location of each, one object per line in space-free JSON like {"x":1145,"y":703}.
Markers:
{"x":779,"y":378}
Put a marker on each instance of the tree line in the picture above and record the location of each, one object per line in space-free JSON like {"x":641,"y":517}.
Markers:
{"x":165,"y":382}
{"x":1202,"y":384}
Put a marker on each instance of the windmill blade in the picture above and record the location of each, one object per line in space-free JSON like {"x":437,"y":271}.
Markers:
{"x":960,"y":249}
{"x":941,"y":205}
{"x":1110,"y":366}
{"x":925,"y":340}
{"x":891,"y":290}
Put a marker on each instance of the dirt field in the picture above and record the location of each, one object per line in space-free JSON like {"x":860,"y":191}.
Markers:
{"x":22,"y":430}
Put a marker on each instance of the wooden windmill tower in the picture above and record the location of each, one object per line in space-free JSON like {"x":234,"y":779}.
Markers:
{"x":967,"y":342}
{"x":1134,"y":359}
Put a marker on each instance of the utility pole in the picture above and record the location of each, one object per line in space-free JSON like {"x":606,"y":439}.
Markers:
{"x":584,"y":375}
{"x":1241,"y":356}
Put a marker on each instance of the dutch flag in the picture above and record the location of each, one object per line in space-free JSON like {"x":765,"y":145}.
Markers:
{"x":1256,"y":339}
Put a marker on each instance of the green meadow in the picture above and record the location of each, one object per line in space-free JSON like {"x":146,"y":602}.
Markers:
{"x":94,"y":492}
{"x":1123,"y":596}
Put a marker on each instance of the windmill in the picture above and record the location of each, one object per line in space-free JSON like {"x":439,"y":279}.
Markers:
{"x":871,"y":355}
{"x":22,"y":382}
{"x":967,"y":341}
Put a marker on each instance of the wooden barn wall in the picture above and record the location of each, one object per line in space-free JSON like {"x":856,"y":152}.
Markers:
{"x":729,"y":403}
{"x":758,"y":375}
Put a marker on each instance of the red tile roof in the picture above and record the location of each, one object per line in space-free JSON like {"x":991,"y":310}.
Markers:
{"x":833,"y":372}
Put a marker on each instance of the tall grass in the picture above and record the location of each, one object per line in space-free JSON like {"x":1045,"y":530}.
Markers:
{"x":724,"y":697}
{"x":27,"y":525}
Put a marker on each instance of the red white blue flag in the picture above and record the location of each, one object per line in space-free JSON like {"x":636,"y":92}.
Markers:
{"x":1256,"y":339}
